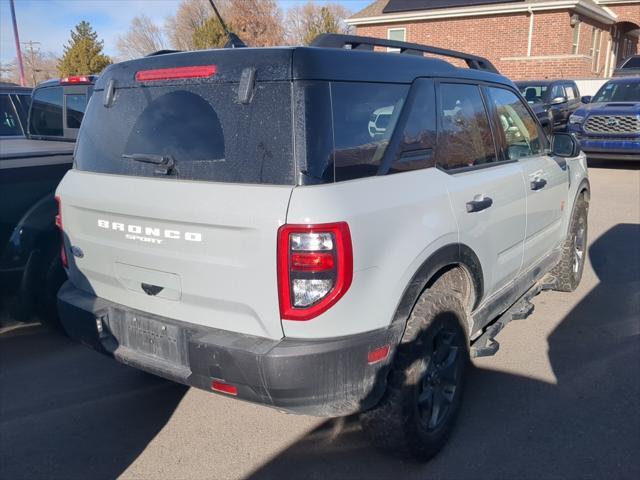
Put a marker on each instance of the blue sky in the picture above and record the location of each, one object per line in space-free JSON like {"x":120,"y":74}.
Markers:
{"x":49,"y":21}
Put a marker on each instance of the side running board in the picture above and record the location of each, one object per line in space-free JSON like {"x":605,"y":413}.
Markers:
{"x":486,"y":344}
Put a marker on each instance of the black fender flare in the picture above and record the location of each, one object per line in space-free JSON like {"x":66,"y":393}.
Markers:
{"x":449,"y":255}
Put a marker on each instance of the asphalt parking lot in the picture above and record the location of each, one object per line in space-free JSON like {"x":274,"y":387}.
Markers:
{"x":561,"y":399}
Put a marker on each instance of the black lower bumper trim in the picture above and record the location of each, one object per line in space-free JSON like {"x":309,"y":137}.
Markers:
{"x":327,"y":378}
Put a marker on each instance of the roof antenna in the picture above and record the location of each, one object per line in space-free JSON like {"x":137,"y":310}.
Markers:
{"x":233,"y":40}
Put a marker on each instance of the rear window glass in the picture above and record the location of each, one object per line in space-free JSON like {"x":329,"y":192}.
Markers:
{"x":75,"y":105}
{"x":203,"y":128}
{"x":46,"y":112}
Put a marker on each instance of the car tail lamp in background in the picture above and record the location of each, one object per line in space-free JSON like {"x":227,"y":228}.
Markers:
{"x":200,"y":71}
{"x":76,"y":80}
{"x":63,"y":253}
{"x":315,"y":268}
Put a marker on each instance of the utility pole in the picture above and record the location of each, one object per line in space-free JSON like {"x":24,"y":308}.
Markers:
{"x":17,"y":39}
{"x":32,"y":60}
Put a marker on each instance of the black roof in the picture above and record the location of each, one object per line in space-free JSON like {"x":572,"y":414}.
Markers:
{"x":299,"y":63}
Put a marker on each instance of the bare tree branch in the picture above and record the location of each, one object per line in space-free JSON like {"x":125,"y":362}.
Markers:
{"x":143,"y":37}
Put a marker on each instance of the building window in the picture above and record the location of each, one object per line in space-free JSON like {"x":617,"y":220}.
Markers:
{"x":576,"y":38}
{"x":596,"y":36}
{"x":398,"y":34}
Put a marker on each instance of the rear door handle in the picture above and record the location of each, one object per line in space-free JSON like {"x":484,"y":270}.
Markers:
{"x":479,"y":203}
{"x":538,"y":183}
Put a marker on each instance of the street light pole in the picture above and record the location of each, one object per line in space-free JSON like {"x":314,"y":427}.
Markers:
{"x":17,"y":39}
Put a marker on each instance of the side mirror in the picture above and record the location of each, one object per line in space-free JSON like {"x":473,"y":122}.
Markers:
{"x":565,"y":145}
{"x":559,"y":100}
{"x":586,"y":99}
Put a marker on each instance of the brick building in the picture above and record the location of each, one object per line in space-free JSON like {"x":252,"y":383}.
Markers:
{"x":525,"y":39}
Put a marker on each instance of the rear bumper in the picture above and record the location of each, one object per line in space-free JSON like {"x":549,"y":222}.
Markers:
{"x":325,"y":378}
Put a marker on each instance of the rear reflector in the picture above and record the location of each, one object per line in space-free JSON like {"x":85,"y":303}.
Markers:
{"x":202,"y":71}
{"x":76,"y":80}
{"x":218,"y":386}
{"x":378,"y":354}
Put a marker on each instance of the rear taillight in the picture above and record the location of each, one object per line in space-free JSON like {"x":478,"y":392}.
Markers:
{"x":199,"y":71}
{"x":315,"y":268}
{"x":63,"y":253}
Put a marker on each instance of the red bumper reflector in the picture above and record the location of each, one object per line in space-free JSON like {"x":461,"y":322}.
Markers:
{"x":202,"y":71}
{"x":218,"y":386}
{"x":378,"y":354}
{"x":314,"y":262}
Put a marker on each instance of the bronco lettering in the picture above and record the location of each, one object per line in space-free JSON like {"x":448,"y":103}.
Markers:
{"x":151,"y":233}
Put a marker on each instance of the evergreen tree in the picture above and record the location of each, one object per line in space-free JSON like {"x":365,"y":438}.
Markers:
{"x":83,"y":54}
{"x":209,"y":35}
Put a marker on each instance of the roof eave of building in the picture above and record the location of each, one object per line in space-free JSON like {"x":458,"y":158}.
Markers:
{"x":580,"y":6}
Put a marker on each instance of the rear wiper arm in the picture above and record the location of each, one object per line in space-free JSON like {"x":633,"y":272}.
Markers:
{"x":165,"y":163}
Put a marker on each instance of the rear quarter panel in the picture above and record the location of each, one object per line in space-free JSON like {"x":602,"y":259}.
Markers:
{"x":396,"y":222}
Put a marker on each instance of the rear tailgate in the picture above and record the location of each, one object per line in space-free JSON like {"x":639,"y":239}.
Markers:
{"x":194,"y":237}
{"x":210,"y":247}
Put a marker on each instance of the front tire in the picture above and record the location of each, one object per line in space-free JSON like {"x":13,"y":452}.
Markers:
{"x":424,"y":392}
{"x":568,"y":272}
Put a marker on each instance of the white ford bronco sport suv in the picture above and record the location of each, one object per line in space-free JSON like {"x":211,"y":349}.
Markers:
{"x":231,"y":223}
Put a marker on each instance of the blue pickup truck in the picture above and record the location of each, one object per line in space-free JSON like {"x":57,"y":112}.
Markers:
{"x":608,"y":125}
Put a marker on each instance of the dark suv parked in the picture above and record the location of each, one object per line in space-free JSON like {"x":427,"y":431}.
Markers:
{"x":553,"y":101}
{"x":14,"y":107}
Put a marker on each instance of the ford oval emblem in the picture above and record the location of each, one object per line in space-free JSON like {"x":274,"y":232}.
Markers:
{"x":77,"y":252}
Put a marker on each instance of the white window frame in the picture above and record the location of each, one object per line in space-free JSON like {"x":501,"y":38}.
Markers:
{"x":597,"y":47}
{"x":575,"y":46}
{"x":404,"y":36}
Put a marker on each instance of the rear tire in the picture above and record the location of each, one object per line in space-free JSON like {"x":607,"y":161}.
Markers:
{"x":568,"y":272}
{"x":424,"y":392}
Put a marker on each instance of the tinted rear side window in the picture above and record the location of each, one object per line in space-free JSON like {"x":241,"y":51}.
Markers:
{"x":465,"y":137}
{"x":46,"y":112}
{"x":208,"y":133}
{"x":364,"y":117}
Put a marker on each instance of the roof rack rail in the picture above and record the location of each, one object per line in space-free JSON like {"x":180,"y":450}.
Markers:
{"x":355,"y":42}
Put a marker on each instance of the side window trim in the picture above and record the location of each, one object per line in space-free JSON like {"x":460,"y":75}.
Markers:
{"x":499,"y":156}
{"x":394,"y":151}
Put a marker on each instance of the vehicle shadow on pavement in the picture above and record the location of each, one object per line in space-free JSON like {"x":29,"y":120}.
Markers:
{"x":587,"y":425}
{"x":68,"y":412}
